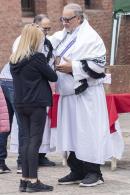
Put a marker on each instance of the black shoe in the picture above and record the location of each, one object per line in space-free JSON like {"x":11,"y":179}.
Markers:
{"x":19,"y":169}
{"x":71,"y":178}
{"x":4,"y":168}
{"x":91,"y":179}
{"x":38,"y":187}
{"x":44,"y":161}
{"x":23,"y":185}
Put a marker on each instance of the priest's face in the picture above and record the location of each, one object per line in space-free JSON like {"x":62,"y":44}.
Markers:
{"x":70,"y":20}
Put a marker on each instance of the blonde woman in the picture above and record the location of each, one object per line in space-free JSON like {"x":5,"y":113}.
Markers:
{"x":32,"y":94}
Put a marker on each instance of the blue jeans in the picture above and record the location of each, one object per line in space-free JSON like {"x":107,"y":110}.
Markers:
{"x":7,"y":87}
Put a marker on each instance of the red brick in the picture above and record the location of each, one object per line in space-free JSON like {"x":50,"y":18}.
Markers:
{"x":10,"y":20}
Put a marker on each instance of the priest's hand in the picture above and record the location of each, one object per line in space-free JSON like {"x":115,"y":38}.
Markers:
{"x":66,"y":67}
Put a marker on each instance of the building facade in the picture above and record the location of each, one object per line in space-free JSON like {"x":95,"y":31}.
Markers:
{"x":15,"y":13}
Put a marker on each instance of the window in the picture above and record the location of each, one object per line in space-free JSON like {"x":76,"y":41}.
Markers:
{"x":87,"y":3}
{"x":27,"y":7}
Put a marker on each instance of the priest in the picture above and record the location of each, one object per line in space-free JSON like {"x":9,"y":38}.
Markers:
{"x":83,"y":127}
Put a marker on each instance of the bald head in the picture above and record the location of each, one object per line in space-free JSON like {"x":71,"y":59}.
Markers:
{"x":44,"y":21}
{"x":76,"y":8}
{"x":39,"y":18}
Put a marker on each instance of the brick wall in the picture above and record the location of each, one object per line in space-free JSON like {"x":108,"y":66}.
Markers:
{"x":101,"y":4}
{"x":54,"y":10}
{"x":127,"y":39}
{"x":40,"y":6}
{"x":123,"y":51}
{"x":10,"y":26}
{"x":107,"y":5}
{"x":81,"y":2}
{"x":96,"y":4}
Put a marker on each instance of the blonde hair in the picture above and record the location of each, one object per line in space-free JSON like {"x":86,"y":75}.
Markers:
{"x":30,"y":40}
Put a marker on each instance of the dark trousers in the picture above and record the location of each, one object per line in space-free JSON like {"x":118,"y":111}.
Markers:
{"x":80,"y":167}
{"x":7,"y":87}
{"x":33,"y":122}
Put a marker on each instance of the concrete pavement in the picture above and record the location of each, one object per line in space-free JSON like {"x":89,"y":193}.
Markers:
{"x":116,"y":182}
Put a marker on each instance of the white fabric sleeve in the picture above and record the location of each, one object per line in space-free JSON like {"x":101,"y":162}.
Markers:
{"x":78,"y":72}
{"x":96,"y":67}
{"x":15,"y":45}
{"x":107,"y":78}
{"x":5,"y":73}
{"x":55,"y":39}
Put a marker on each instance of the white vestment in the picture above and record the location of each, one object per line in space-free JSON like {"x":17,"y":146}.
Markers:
{"x":83,"y":125}
{"x":48,"y":141}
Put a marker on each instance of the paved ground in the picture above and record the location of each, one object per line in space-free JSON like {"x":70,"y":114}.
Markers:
{"x":116,"y":182}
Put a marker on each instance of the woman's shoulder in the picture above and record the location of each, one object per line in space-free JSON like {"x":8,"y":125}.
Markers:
{"x":38,"y":55}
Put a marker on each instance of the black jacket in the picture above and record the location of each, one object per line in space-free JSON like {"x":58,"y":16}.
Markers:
{"x":30,"y":78}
